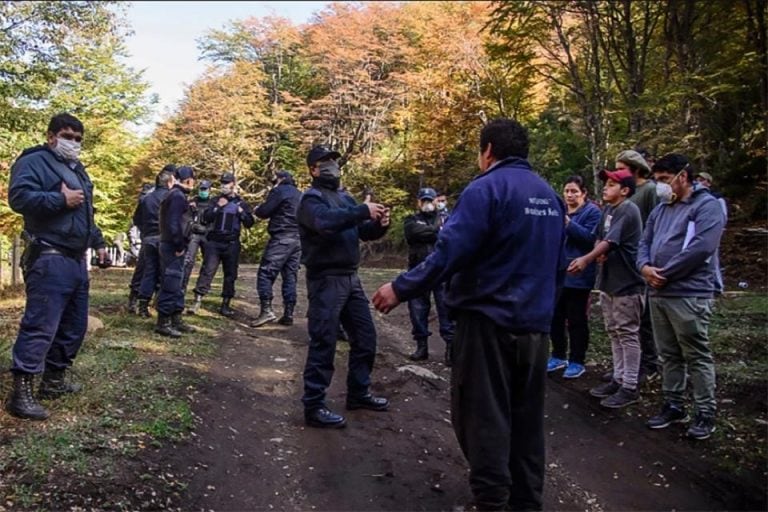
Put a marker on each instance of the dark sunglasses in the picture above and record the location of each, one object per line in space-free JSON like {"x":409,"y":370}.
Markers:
{"x":70,"y":136}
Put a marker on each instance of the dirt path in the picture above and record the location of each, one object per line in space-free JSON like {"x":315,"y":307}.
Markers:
{"x":251,"y":450}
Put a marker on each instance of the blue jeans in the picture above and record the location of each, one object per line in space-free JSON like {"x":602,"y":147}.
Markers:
{"x":170,"y":299}
{"x":333,"y":299}
{"x":55,"y":317}
{"x":419,"y":309}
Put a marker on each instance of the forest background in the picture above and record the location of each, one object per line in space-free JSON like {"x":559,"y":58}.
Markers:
{"x":401,"y":89}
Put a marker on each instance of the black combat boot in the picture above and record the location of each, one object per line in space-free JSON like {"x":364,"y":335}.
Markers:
{"x":178,"y":323}
{"x":422,"y":352}
{"x":195,"y":307}
{"x":225,"y":310}
{"x":287,"y":318}
{"x":133,"y":302}
{"x":54,"y":385}
{"x":266,"y":315}
{"x":22,"y":402}
{"x":165,"y":327}
{"x":144,"y":308}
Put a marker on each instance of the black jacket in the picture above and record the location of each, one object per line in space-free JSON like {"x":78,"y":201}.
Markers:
{"x":199,"y":207}
{"x":280,"y":208}
{"x":421,"y":230}
{"x":35,"y":192}
{"x":175,"y":218}
{"x":331,"y":224}
{"x":225,"y":221}
{"x":147,"y":214}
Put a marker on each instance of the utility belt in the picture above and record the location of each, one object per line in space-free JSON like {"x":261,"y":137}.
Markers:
{"x":35,"y":249}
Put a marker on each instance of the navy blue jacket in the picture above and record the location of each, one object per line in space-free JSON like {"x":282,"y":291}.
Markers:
{"x":225,"y":221}
{"x":35,"y":192}
{"x":280,"y":208}
{"x":331,"y":224}
{"x":580,"y":236}
{"x":147,"y":214}
{"x":175,"y":218}
{"x":502,"y":249}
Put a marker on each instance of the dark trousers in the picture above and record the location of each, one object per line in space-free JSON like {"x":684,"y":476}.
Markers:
{"x":571,"y":312}
{"x":226,"y":253}
{"x":649,"y":357}
{"x":170,"y":299}
{"x":281,"y":256}
{"x":138,"y":273}
{"x":150,"y":277}
{"x":419,"y":309}
{"x":497,"y":407}
{"x":55,"y":316}
{"x":195,"y":243}
{"x":333,"y":299}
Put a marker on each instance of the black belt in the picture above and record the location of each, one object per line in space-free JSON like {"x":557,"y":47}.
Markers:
{"x":53,"y":250}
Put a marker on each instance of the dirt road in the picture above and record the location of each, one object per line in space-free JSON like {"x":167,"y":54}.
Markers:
{"x":251,"y":450}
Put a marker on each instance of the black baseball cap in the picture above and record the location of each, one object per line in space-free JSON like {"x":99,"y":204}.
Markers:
{"x":184,"y":172}
{"x":318,"y":153}
{"x":227,"y":177}
{"x":205,"y":185}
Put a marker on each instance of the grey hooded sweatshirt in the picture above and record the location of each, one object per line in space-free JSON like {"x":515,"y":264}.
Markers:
{"x":681,"y":239}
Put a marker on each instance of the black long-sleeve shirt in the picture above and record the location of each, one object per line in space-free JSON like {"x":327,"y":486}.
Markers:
{"x":175,"y":216}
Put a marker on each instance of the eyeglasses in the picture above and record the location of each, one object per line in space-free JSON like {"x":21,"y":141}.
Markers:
{"x":70,"y":136}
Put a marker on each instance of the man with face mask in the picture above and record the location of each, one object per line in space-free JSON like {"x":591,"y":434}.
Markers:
{"x":441,"y":205}
{"x":50,"y":188}
{"x":331,"y":225}
{"x":226,"y":216}
{"x":175,"y":219}
{"x":283,"y":251}
{"x":421,"y":230}
{"x":199,"y":205}
{"x":677,"y":259}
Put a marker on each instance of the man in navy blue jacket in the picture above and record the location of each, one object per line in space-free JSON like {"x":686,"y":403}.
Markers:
{"x":502,"y":251}
{"x":283,"y":251}
{"x":175,"y":230}
{"x":331,"y":225}
{"x":50,"y":188}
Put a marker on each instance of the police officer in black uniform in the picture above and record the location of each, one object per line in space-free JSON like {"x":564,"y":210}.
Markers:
{"x":283,"y":251}
{"x":225,"y":217}
{"x":175,"y":222}
{"x":134,"y":238}
{"x":331,"y":223}
{"x":50,"y":188}
{"x":421,"y":230}
{"x":199,"y":237}
{"x":147,"y":217}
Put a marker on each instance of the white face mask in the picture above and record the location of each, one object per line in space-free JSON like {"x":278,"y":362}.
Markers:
{"x":441,"y":205}
{"x":665,"y":192}
{"x":227,"y":189}
{"x":67,"y":149}
{"x":428,"y":207}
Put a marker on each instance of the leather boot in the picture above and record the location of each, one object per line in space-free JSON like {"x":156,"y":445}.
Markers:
{"x":133,"y":302}
{"x":225,"y":310}
{"x":165,"y":327}
{"x":266,"y":314}
{"x":195,"y":307}
{"x":422,"y":351}
{"x":178,"y":323}
{"x":144,"y":309}
{"x":287,"y":318}
{"x":54,"y":385}
{"x":22,"y":402}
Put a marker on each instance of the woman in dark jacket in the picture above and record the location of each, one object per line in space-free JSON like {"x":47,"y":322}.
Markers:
{"x":572,"y":306}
